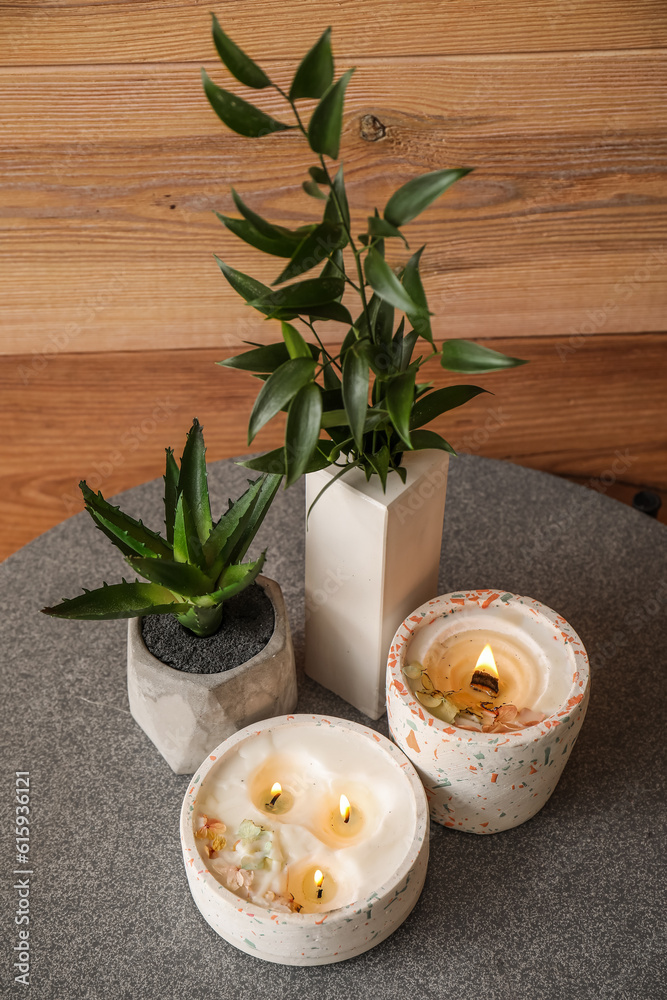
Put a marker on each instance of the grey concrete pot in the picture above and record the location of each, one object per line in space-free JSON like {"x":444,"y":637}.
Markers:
{"x":187,"y":715}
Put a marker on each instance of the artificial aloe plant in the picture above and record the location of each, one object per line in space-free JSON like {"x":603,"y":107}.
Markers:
{"x":197,"y":567}
{"x":365,"y":396}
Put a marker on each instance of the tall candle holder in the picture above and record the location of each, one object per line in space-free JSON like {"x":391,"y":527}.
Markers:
{"x":493,"y":780}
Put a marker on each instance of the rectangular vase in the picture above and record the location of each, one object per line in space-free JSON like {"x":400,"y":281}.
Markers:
{"x":371,"y":557}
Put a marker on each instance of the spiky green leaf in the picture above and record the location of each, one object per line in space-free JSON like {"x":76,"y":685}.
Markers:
{"x":193,"y":482}
{"x":120,"y":600}
{"x":180,"y":578}
{"x":170,"y":494}
{"x":108,"y":517}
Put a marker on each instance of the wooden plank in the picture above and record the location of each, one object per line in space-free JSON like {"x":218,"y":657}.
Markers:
{"x":107,"y":198}
{"x":87,"y":32}
{"x":592,"y":407}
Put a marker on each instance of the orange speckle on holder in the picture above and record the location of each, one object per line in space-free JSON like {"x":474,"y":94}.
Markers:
{"x":412,"y":742}
{"x":494,"y":778}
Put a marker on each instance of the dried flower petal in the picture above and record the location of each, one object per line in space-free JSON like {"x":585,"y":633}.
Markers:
{"x":506,"y":713}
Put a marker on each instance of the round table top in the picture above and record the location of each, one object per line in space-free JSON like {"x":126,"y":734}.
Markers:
{"x":569,"y":904}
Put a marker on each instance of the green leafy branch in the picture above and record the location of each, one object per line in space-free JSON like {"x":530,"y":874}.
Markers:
{"x":366,"y":398}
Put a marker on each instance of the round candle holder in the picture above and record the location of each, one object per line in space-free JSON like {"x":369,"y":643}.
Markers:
{"x":487,"y":782}
{"x":292,"y":938}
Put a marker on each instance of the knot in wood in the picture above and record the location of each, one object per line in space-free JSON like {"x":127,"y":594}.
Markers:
{"x":371,"y":128}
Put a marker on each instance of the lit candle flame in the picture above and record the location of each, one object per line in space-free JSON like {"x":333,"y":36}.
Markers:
{"x":345,"y":808}
{"x":276,"y":792}
{"x":319,"y":879}
{"x":486,"y":662}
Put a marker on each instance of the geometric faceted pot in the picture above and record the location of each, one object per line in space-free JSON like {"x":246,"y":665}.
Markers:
{"x":186,"y":715}
{"x":486,"y":782}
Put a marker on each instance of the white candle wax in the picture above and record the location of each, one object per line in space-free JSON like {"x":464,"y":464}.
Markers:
{"x":528,"y":677}
{"x":307,"y":836}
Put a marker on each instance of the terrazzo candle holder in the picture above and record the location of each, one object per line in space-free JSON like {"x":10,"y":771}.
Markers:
{"x":309,"y":938}
{"x":487,"y":782}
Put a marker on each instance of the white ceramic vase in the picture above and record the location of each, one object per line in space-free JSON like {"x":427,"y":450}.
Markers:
{"x":370,"y":558}
{"x":185,"y":715}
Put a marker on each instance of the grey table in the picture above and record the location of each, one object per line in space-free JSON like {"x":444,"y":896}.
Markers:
{"x":568,"y":905}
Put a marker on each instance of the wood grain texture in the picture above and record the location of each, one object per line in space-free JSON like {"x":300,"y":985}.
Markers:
{"x":595,"y":407}
{"x":87,"y":31}
{"x":109,"y":185}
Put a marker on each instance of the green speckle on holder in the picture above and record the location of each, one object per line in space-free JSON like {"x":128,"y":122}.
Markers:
{"x":506,"y":598}
{"x":479,"y":756}
{"x":252,"y":945}
{"x":411,"y":724}
{"x":547,"y":751}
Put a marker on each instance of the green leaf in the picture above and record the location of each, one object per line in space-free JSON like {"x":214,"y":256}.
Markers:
{"x":338,"y":209}
{"x":267,"y":228}
{"x":180,"y":578}
{"x":296,"y":345}
{"x":424,"y":440}
{"x":234,"y":580}
{"x":335,"y":266}
{"x":170,"y":494}
{"x":399,"y":400}
{"x":311,"y":188}
{"x":326,"y":122}
{"x":334,"y":311}
{"x":237,"y":114}
{"x":236,"y":61}
{"x":130,"y":536}
{"x":319,"y":176}
{"x":382,"y":280}
{"x":278,"y":390}
{"x":263,"y":359}
{"x":280,"y":247}
{"x":120,"y":600}
{"x":381,"y":228}
{"x":312,"y":292}
{"x":469,"y":358}
{"x":193,"y":482}
{"x":413,"y":197}
{"x":187,"y":546}
{"x":339,"y":418}
{"x":315,"y":248}
{"x":356,"y":377}
{"x":440,"y":401}
{"x":412,"y":283}
{"x":248,"y":288}
{"x":302,"y":431}
{"x":315,"y":73}
{"x":274,"y":461}
{"x":234,"y":532}
{"x":331,"y":380}
{"x":383,"y":322}
{"x":380,"y":462}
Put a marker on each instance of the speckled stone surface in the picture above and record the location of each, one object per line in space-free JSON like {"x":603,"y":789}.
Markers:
{"x":569,"y":905}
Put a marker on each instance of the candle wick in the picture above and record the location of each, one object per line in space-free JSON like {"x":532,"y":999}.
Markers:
{"x":319,"y":892}
{"x":273,"y":801}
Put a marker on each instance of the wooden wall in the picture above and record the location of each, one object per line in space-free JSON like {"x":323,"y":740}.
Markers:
{"x":555,"y":248}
